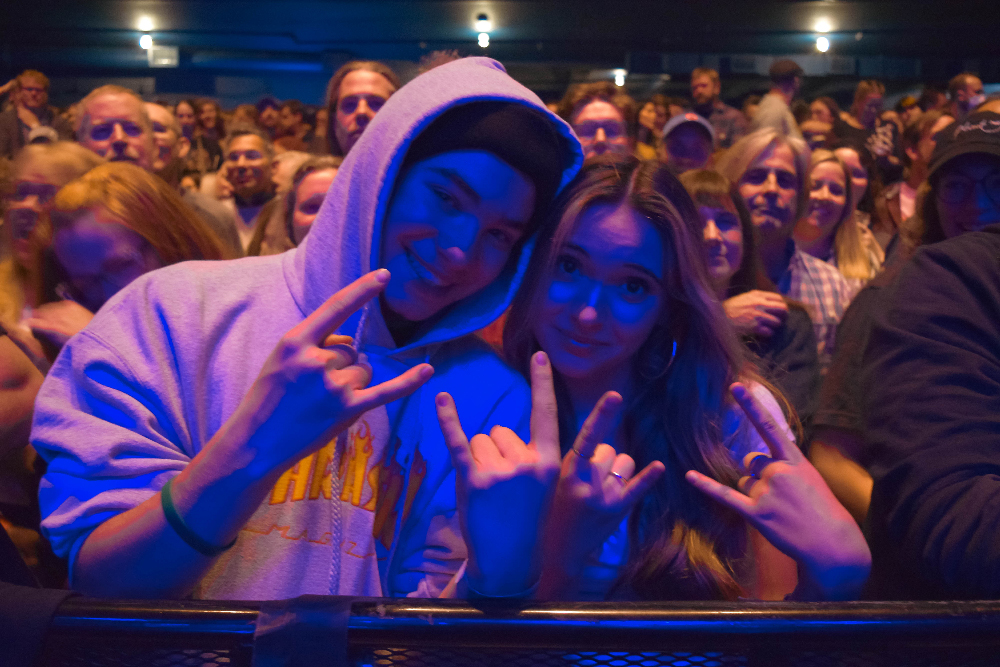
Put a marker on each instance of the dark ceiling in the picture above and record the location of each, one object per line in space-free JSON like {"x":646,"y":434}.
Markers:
{"x":546,"y":43}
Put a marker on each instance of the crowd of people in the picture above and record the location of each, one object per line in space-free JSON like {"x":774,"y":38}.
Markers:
{"x":441,"y":339}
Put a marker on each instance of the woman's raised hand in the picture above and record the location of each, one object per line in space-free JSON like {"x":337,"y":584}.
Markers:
{"x":505,"y":489}
{"x":313,"y":386}
{"x":786,"y":499}
{"x":595,"y":493}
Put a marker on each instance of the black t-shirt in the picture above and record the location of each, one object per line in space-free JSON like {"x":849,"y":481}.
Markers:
{"x":931,"y":397}
{"x":839,"y":403}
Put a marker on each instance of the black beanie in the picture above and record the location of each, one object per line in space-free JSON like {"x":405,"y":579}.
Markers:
{"x":517,"y":134}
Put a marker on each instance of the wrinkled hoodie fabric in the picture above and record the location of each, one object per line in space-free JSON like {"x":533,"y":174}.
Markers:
{"x":137,"y":394}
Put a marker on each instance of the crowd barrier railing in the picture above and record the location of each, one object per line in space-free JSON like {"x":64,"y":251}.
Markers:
{"x":431,"y":633}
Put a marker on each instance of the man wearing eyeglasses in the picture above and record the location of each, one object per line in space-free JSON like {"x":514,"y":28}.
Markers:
{"x":112,"y":122}
{"x":30,"y":110}
{"x":601,"y":116}
{"x":354,"y":95}
{"x":930,"y":385}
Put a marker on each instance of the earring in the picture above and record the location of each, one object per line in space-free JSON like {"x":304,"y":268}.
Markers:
{"x":653,"y":366}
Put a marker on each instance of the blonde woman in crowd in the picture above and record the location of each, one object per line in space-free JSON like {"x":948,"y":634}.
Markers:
{"x":829,"y":230}
{"x":37,"y":174}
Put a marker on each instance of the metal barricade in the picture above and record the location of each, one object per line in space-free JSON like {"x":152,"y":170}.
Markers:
{"x":433,"y":633}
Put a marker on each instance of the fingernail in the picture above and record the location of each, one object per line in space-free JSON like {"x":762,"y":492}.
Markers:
{"x":427,"y":371}
{"x":441,"y":399}
{"x":382,"y":275}
{"x":541,"y":358}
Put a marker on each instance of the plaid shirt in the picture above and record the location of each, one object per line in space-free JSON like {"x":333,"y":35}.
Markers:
{"x":825,"y":294}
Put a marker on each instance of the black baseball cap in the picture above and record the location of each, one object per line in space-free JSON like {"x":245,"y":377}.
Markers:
{"x":978,"y":133}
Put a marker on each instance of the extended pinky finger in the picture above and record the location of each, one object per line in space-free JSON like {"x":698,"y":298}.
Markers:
{"x":394,"y":389}
{"x":726,"y":495}
{"x":641,"y":483}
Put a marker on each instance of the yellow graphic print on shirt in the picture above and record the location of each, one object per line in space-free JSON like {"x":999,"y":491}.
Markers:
{"x":376,"y":489}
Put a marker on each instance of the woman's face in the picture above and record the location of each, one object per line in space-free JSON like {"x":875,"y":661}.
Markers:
{"x":185,"y":114}
{"x":604,"y":295}
{"x":309,"y":197}
{"x":101,"y":256}
{"x":859,"y":175}
{"x":871,"y":109}
{"x":30,"y":200}
{"x":821,"y":112}
{"x":722,"y":238}
{"x":208,"y":115}
{"x":827,"y":198}
{"x":647,"y":116}
{"x":770,"y":187}
{"x":967,"y":193}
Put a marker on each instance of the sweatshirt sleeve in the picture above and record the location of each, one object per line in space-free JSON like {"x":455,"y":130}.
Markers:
{"x":932,"y":410}
{"x":107,"y":438}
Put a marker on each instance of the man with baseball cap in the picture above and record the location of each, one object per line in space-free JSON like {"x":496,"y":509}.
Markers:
{"x":687,"y":142}
{"x":931,"y":386}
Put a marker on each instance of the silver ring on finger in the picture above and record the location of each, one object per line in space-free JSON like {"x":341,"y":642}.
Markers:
{"x":757,"y":464}
{"x":621,"y":478}
{"x":347,"y":350}
{"x":578,"y":453}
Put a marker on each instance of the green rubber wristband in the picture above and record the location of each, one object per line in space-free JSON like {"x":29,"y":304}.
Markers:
{"x":203,"y":547}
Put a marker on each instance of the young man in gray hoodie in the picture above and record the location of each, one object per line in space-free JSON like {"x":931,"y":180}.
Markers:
{"x":210,"y":432}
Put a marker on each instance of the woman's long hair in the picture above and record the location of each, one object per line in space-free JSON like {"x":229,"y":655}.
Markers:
{"x":219,"y":131}
{"x":333,"y":95}
{"x":276,"y":235}
{"x":681,"y":545}
{"x":60,"y":162}
{"x":849,"y":247}
{"x":145,"y":204}
{"x":710,"y":188}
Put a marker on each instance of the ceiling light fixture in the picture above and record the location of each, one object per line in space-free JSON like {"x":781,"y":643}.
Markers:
{"x":484,"y":39}
{"x":483,"y":23}
{"x":145,"y":23}
{"x":620,"y":77}
{"x":823,"y":25}
{"x":146,"y":42}
{"x":822,"y":44}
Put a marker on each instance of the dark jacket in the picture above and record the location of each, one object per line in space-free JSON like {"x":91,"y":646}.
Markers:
{"x":12,"y":134}
{"x":931,"y":406}
{"x":788,"y":359}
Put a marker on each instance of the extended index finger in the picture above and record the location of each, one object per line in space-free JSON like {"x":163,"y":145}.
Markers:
{"x":335,"y":310}
{"x":544,"y":416}
{"x":773,"y":435}
{"x":454,"y":434}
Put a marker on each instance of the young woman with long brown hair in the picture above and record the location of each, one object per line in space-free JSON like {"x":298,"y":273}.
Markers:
{"x":617,"y":307}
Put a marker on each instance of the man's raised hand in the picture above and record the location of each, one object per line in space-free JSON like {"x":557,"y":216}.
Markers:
{"x":307,"y":392}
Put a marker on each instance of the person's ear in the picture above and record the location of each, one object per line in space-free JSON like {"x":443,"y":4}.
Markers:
{"x":183,"y":147}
